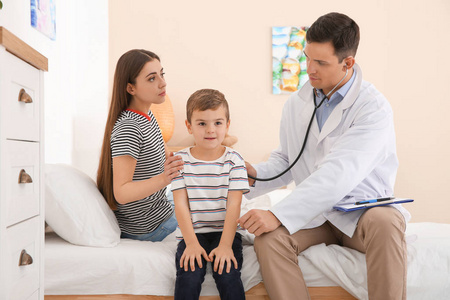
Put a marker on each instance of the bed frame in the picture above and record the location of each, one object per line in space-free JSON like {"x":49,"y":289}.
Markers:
{"x":258,"y":292}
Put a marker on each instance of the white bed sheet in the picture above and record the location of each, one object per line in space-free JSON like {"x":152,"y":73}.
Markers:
{"x":135,"y":267}
{"x":428,"y":263}
{"x":146,"y":268}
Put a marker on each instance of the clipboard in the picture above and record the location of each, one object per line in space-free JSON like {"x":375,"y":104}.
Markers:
{"x":353,"y":207}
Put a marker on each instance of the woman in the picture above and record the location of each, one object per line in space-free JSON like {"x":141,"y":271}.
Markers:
{"x":135,"y":167}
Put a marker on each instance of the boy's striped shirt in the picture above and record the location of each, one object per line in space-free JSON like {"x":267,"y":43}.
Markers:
{"x":207,"y":184}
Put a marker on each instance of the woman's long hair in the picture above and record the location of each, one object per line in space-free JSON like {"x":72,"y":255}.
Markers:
{"x":128,"y":68}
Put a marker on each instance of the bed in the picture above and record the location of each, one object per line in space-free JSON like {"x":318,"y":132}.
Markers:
{"x":76,"y":266}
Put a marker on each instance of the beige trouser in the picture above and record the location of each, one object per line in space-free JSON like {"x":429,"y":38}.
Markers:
{"x":379,"y":234}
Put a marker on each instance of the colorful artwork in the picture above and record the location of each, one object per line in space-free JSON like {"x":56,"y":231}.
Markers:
{"x":288,"y":60}
{"x":43,"y":17}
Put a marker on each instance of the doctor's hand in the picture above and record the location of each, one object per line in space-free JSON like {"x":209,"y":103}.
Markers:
{"x":250,"y":171}
{"x":258,"y":221}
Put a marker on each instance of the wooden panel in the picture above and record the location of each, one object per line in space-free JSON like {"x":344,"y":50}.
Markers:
{"x":258,"y":292}
{"x":22,"y":50}
{"x":329,"y":293}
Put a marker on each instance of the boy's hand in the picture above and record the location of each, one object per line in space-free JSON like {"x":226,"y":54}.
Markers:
{"x":192,"y":253}
{"x":223,"y":255}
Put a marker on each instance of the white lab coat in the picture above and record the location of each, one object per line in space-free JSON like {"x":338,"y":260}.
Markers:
{"x":352,"y":158}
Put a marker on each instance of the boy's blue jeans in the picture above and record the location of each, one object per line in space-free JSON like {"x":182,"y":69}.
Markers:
{"x":189,"y":284}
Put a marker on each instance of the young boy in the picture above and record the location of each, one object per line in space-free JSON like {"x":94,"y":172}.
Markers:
{"x":207,"y":197}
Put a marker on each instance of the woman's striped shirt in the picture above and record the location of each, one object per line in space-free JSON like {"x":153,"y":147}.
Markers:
{"x":137,"y":134}
{"x":207,"y":184}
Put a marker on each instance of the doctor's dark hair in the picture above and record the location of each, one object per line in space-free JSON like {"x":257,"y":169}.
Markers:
{"x":206,"y":99}
{"x":340,"y":30}
{"x":127,"y":70}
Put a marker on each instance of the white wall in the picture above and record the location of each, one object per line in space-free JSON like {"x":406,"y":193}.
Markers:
{"x":227,"y":45}
{"x":76,"y":86}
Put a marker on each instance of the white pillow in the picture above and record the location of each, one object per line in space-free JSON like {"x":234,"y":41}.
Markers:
{"x":76,"y":210}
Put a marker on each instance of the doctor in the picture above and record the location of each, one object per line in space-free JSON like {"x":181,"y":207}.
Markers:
{"x":349,"y":155}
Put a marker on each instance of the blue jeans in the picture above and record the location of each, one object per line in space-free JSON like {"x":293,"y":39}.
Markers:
{"x":189,"y":284}
{"x":157,"y":235}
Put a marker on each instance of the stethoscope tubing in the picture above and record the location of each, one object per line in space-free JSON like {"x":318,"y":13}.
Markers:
{"x":303,"y":146}
{"x":306,"y":135}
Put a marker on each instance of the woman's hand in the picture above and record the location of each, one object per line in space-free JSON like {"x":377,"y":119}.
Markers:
{"x":192,"y":253}
{"x":172,"y":166}
{"x":223,"y":255}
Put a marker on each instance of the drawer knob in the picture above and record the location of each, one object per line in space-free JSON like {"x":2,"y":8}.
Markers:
{"x":24,"y":97}
{"x":25,"y":259}
{"x":24,"y":177}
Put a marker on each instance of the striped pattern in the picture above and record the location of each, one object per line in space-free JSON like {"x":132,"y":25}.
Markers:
{"x":207,"y":184}
{"x":138,"y":135}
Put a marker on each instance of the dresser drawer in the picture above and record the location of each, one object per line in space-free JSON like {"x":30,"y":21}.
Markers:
{"x":23,"y":280}
{"x":19,"y":119}
{"x":21,"y":164}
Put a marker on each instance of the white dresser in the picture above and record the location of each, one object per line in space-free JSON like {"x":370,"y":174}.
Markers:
{"x":21,"y":169}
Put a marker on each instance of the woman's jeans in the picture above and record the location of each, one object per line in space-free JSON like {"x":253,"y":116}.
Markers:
{"x":157,"y":235}
{"x":189,"y":284}
{"x":162,"y":231}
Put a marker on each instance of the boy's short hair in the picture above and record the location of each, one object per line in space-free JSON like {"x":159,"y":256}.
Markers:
{"x":339,"y":29}
{"x":205,"y":99}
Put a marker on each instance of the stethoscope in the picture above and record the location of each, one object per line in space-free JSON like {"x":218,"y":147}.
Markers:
{"x":307,"y":130}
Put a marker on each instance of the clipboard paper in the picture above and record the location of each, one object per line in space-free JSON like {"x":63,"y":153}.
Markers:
{"x":353,"y":207}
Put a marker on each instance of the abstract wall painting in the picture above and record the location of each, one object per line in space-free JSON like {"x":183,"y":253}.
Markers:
{"x":288,"y":59}
{"x":43,"y":17}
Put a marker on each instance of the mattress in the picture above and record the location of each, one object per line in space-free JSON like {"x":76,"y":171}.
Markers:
{"x":428,"y":277}
{"x":137,"y":267}
{"x":146,"y":268}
